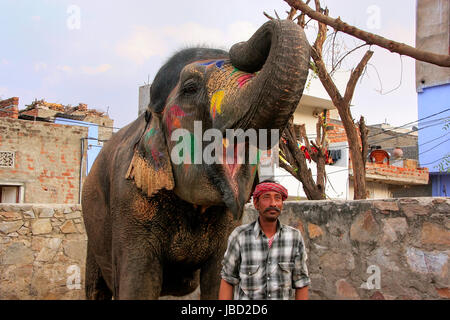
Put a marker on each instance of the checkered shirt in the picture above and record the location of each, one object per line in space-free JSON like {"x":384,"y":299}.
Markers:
{"x":258,"y":272}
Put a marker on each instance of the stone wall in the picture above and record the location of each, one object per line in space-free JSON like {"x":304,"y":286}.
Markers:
{"x":42,"y":252}
{"x":366,"y":249}
{"x":404,"y":241}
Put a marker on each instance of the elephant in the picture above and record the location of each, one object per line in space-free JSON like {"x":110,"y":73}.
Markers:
{"x":155,"y":227}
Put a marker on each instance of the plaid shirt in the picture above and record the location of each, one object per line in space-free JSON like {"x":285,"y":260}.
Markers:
{"x":258,"y":272}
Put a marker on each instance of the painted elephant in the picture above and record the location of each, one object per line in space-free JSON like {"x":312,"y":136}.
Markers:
{"x":156,"y":227}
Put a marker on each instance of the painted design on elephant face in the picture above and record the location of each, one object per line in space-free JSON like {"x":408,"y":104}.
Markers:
{"x":216,"y":103}
{"x":147,"y":138}
{"x":244,"y":79}
{"x":174,"y":115}
{"x":218,"y":63}
{"x":157,"y":157}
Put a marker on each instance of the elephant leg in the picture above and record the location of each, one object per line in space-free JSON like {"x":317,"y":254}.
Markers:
{"x":138,"y":273}
{"x":210,"y":277}
{"x":95,"y":285}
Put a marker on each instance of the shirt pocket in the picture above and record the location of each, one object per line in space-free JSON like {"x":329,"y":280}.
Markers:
{"x":250,"y":279}
{"x":285,"y":271}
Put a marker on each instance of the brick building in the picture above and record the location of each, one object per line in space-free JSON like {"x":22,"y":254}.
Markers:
{"x":42,"y":161}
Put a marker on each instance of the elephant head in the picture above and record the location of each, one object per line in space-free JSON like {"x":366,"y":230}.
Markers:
{"x":258,"y":85}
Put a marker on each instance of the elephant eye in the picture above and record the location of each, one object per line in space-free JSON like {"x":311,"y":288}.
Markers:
{"x":189,"y":86}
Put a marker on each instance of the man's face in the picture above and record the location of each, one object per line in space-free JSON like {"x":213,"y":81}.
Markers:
{"x":269,"y":205}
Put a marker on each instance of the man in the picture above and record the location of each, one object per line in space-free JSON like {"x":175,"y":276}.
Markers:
{"x":265,"y":259}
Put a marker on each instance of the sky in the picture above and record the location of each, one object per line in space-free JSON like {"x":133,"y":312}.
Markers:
{"x":99,"y":52}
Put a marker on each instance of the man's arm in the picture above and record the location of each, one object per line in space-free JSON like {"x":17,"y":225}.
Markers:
{"x":225,"y":291}
{"x":301,"y":293}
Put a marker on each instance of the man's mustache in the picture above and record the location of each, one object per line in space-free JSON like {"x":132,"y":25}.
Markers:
{"x":272,"y":208}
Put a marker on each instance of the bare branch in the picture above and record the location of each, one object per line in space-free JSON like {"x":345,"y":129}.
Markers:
{"x":292,"y":13}
{"x":393,"y":46}
{"x":335,"y":66}
{"x":356,"y":74}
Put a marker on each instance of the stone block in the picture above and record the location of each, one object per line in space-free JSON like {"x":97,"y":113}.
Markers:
{"x":392,"y":227}
{"x":435,"y":234}
{"x":10,"y":216}
{"x":41,"y":226}
{"x":7,"y":227}
{"x":377,"y":296}
{"x":365,"y":228}
{"x":382,"y":257}
{"x":29,"y":214}
{"x":443,"y":292}
{"x":68,"y":227}
{"x":337,"y":261}
{"x":424,"y":262}
{"x":346,"y":291}
{"x":386,"y":206}
{"x":46,"y":212}
{"x":17,"y":253}
{"x":73,"y":215}
{"x":314,"y":231}
{"x":413,"y":209}
{"x":75,"y":250}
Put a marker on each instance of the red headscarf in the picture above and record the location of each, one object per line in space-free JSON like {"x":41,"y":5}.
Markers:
{"x":270,"y":186}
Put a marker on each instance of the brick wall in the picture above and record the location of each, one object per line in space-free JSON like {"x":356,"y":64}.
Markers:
{"x":9,"y":108}
{"x":404,"y":241}
{"x":47,"y":159}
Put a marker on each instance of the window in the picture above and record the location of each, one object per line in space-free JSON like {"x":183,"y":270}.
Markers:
{"x":7,"y":159}
{"x":10,"y":194}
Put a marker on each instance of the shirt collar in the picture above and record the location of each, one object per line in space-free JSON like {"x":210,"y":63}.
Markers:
{"x":257,"y":231}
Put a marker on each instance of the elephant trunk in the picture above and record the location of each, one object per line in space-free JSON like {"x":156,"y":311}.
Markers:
{"x":280,"y":52}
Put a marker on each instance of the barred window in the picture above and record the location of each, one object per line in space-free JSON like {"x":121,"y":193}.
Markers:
{"x":7,"y":159}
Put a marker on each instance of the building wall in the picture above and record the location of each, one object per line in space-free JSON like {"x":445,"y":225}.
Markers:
{"x":9,"y":108}
{"x":432,"y":34}
{"x":375,"y":190}
{"x":440,"y":184}
{"x":47,"y":159}
{"x":431,"y":101}
{"x":404,"y":243}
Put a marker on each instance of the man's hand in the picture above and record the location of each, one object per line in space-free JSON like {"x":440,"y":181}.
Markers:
{"x":225,"y":291}
{"x":301,"y":294}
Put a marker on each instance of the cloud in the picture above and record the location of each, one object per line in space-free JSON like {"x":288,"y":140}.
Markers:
{"x":3,"y":92}
{"x":96,"y":70}
{"x":144,"y":42}
{"x":192,"y":33}
{"x":4,"y":62}
{"x":40,"y":66}
{"x":67,"y":69}
{"x":141,"y":45}
{"x":36,"y":18}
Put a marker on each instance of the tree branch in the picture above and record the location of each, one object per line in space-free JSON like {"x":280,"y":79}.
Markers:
{"x":356,"y":74}
{"x":393,"y":46}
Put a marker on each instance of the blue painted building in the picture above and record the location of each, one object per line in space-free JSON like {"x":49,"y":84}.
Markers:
{"x":433,"y":88}
{"x":92,"y":145}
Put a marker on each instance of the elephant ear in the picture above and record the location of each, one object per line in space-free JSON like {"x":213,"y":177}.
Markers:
{"x":150,"y":167}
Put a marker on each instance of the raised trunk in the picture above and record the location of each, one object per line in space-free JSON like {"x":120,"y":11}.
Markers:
{"x":280,"y":52}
